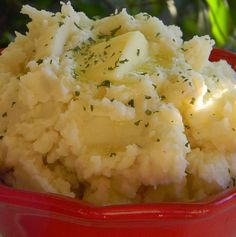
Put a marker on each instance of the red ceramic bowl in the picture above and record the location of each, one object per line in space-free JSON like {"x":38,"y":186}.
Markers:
{"x":29,"y":214}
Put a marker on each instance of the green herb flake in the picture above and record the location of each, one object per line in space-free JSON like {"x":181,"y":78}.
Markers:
{"x":102,"y":36}
{"x":12,"y":104}
{"x":162,"y":97}
{"x":184,"y":50}
{"x":91,"y":40}
{"x":187,"y":126}
{"x":157,"y":34}
{"x":154,"y":86}
{"x":187,"y":173}
{"x":112,"y":154}
{"x":131,"y":103}
{"x":76,"y":49}
{"x":192,"y":101}
{"x":147,"y":97}
{"x":91,"y":108}
{"x":112,"y":99}
{"x":77,"y":26}
{"x":137,"y":122}
{"x":143,"y":73}
{"x":39,"y":61}
{"x":123,"y":61}
{"x":158,"y":140}
{"x":186,"y":144}
{"x":138,"y":52}
{"x":148,"y":112}
{"x":74,"y":74}
{"x":77,"y":93}
{"x":105,"y":83}
{"x":4,"y":114}
{"x":147,"y":16}
{"x":108,"y":46}
{"x":60,"y":23}
{"x":146,"y":125}
{"x":114,"y":31}
{"x":116,"y":63}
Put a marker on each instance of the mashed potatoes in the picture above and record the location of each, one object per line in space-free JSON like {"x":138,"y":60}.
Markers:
{"x":116,"y":110}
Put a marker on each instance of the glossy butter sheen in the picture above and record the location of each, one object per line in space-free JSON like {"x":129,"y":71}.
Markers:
{"x":26,"y":214}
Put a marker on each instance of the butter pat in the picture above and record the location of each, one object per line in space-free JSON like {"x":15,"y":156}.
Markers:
{"x":113,"y":58}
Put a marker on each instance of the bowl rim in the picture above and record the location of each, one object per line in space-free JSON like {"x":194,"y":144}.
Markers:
{"x":74,"y":208}
{"x":78,"y":209}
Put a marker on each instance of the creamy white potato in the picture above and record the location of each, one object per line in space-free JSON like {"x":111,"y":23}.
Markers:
{"x":115,"y":110}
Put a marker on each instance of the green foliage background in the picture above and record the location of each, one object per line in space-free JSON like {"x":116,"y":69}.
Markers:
{"x":214,"y":17}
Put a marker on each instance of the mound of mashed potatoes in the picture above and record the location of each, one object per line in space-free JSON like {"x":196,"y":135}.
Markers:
{"x":115,"y":110}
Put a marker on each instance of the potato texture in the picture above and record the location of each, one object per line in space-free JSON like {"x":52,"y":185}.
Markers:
{"x":115,"y":110}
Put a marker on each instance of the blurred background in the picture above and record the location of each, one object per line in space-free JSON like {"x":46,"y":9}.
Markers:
{"x":214,"y":17}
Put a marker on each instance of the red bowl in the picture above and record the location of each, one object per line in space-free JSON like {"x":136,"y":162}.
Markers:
{"x":27,"y":214}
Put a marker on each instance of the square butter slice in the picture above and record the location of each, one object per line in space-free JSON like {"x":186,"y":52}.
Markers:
{"x":111,"y":59}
